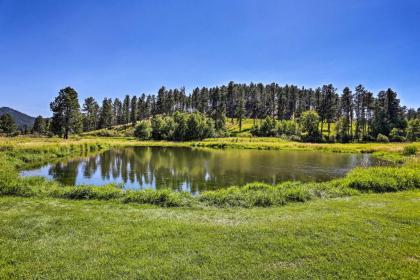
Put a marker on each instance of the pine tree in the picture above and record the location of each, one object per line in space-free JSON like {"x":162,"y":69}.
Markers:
{"x":133,"y":113}
{"x":7,"y":124}
{"x":90,"y":114}
{"x":39,"y":126}
{"x":161,"y":101}
{"x":105,"y":119}
{"x":126,"y":109}
{"x":346,"y":106}
{"x":66,"y":113}
{"x":117,"y":112}
{"x":240,"y":110}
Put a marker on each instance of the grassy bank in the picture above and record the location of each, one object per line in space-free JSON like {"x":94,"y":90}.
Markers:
{"x":19,"y":152}
{"x":387,"y":151}
{"x":372,"y":236}
{"x":49,"y":146}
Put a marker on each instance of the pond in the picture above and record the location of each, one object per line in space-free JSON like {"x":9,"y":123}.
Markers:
{"x":197,"y":170}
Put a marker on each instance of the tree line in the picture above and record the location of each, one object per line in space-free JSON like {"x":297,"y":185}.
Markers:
{"x":357,"y":113}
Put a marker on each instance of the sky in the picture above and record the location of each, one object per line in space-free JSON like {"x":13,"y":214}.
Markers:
{"x":111,"y":48}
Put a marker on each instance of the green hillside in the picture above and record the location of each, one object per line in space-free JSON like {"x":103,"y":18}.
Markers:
{"x":21,"y":119}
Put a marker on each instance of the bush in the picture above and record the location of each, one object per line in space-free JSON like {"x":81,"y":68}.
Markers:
{"x":397,"y":135}
{"x":413,"y":129}
{"x":182,"y":126}
{"x":268,"y":128}
{"x":382,"y":138}
{"x":409,"y":150}
{"x":309,"y":122}
{"x":295,"y":138}
{"x":287,"y":127}
{"x":143,"y":131}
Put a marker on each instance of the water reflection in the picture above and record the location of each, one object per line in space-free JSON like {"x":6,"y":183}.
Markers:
{"x":196,"y":170}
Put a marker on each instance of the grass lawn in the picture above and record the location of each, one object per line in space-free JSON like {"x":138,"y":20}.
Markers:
{"x":362,"y":237}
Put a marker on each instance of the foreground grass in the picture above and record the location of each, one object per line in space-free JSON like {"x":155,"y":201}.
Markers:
{"x":364,"y":237}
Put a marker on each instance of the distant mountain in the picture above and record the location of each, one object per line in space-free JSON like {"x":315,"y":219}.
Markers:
{"x":21,"y":119}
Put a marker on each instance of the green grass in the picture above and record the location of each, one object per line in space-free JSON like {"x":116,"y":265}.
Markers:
{"x":233,"y":127}
{"x":374,"y":236}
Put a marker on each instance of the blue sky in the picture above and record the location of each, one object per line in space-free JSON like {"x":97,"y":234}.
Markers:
{"x":112,"y":48}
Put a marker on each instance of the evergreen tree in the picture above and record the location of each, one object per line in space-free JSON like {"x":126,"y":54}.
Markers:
{"x":126,"y":109}
{"x":160,"y":101}
{"x":117,"y":112}
{"x":90,"y":114}
{"x":358,"y":108}
{"x":105,"y":119}
{"x":133,"y":113}
{"x":388,"y":113}
{"x":330,"y":105}
{"x":254,"y":103}
{"x":39,"y":126}
{"x":240,"y":110}
{"x":346,"y":107}
{"x":232,"y":92}
{"x":7,"y":124}
{"x":66,"y":113}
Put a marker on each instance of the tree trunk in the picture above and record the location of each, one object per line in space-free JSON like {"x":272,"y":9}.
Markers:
{"x":329,"y":129}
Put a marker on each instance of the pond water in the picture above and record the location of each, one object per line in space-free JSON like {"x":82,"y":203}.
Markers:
{"x":197,"y":170}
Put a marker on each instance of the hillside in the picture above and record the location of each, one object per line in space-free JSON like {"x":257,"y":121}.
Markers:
{"x":232,"y":127}
{"x":21,"y":119}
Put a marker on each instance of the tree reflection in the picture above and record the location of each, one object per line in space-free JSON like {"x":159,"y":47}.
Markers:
{"x":198,"y":170}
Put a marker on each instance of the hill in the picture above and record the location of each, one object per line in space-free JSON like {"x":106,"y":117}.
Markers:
{"x":20,"y":118}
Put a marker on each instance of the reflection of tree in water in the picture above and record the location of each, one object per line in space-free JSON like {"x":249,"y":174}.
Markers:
{"x":198,"y":170}
{"x":175,"y":168}
{"x":65,"y":173}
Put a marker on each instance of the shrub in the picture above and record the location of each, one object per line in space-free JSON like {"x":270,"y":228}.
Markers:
{"x":295,"y":138}
{"x":413,"y":129}
{"x":309,"y":122}
{"x":183,"y":126}
{"x":143,"y":131}
{"x":382,"y":138}
{"x":397,"y":135}
{"x":268,"y":128}
{"x":409,"y":150}
{"x":287,"y":127}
